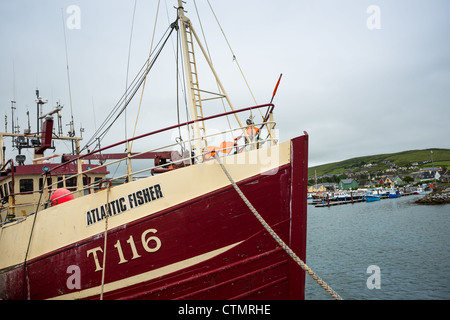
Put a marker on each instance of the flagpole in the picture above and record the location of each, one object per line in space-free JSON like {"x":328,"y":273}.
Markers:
{"x":435,"y":172}
{"x":276,"y":88}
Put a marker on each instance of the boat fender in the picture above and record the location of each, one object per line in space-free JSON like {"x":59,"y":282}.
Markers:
{"x":60,"y":196}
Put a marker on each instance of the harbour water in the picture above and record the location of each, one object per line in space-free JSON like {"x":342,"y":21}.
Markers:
{"x":409,"y":243}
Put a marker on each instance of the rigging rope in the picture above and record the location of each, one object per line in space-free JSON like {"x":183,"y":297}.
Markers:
{"x":106,"y":239}
{"x":232,"y":52}
{"x":128,"y":64}
{"x":210,"y":58}
{"x":277,"y":238}
{"x":123,"y":102}
{"x":31,"y":235}
{"x":145,"y":78}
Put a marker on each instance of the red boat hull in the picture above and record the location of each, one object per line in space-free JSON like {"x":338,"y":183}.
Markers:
{"x":210,"y":247}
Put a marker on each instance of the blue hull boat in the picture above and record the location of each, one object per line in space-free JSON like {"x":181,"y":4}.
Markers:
{"x":372,"y":198}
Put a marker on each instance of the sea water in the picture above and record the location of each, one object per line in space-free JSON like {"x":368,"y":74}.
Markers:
{"x":391,"y":249}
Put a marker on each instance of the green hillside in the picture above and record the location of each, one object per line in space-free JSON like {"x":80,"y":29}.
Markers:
{"x":441,"y":157}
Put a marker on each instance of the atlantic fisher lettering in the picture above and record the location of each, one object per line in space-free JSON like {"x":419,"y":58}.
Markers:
{"x":122,"y":204}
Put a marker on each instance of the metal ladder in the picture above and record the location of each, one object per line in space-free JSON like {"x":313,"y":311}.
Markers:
{"x":195,"y":85}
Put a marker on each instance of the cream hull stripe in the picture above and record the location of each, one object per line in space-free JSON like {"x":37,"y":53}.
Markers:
{"x":59,"y":226}
{"x":108,"y":287}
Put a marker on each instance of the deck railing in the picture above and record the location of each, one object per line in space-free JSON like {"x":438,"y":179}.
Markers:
{"x":185,"y":158}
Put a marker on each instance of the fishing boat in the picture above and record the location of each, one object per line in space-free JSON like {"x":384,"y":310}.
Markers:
{"x":371,"y":195}
{"x":394,"y":193}
{"x":371,"y":198}
{"x":341,"y":196}
{"x":421,"y":191}
{"x":179,"y":228}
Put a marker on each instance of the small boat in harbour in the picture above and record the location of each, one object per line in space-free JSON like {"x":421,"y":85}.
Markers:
{"x":372,"y":198}
{"x":341,"y":196}
{"x":394,"y":194}
{"x":421,"y":191}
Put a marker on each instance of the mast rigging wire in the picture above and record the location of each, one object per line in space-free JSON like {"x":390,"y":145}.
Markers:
{"x":124,"y":101}
{"x":128,"y":63}
{"x":145,"y":79}
{"x":72,"y":128}
{"x":232,"y":52}
{"x":210,"y":58}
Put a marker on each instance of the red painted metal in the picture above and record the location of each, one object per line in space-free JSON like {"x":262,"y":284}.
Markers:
{"x":114,"y":156}
{"x":69,"y":168}
{"x":254,"y":269}
{"x":46,"y":143}
{"x":298,"y":221}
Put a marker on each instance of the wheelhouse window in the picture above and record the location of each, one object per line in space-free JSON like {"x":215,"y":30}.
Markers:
{"x":60,"y":182}
{"x":26,"y":185}
{"x":48,"y":185}
{"x":97,"y":183}
{"x":71,"y":184}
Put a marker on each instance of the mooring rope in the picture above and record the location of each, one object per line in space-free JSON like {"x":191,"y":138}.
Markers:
{"x":289,"y":251}
{"x":41,"y":191}
{"x":106,"y":240}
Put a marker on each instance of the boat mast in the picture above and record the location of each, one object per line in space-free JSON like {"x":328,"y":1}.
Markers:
{"x":189,"y":62}
{"x":188,"y":35}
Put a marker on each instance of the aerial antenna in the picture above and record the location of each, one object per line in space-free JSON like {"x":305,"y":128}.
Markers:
{"x":13,"y":108}
{"x":14,"y":81}
{"x":71,"y":124}
{"x":81,"y":130}
{"x":29,"y":124}
{"x":39,"y":103}
{"x":60,"y":127}
{"x":13,"y":101}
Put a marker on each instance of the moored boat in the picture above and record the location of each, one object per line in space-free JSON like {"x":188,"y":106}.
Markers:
{"x":394,"y":194}
{"x":372,"y":198}
{"x":180,"y":232}
{"x":421,"y":191}
{"x":342,"y":196}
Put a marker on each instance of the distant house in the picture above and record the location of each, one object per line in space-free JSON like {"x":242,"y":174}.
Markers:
{"x":445,"y":177}
{"x":430,"y":169}
{"x":347,"y":184}
{"x":386,"y":182}
{"x":426,"y":175}
{"x":322,"y":187}
{"x":316,"y":188}
{"x":398,"y":181}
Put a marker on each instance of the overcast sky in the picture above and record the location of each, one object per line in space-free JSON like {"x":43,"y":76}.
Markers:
{"x":361,"y":77}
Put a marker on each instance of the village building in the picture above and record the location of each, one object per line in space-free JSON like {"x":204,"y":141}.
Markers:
{"x":322,"y":187}
{"x":348,"y":184}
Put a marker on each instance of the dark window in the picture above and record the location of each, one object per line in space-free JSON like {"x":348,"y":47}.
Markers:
{"x":26,"y":185}
{"x":60,"y":182}
{"x":97,"y":183}
{"x":71,"y":184}
{"x":49,"y":183}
